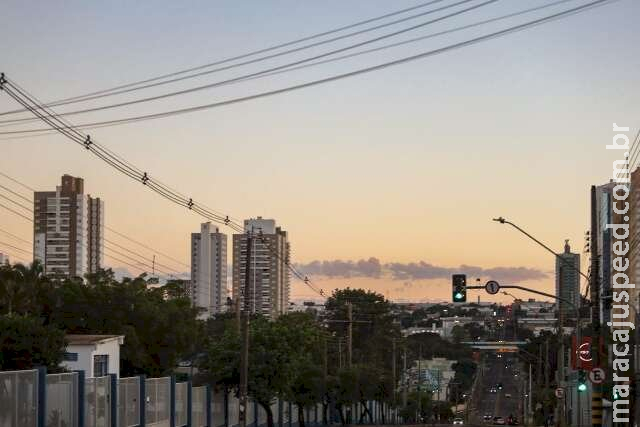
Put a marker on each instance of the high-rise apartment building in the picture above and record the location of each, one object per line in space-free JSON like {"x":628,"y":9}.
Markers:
{"x":568,"y":280}
{"x":68,"y":229}
{"x":604,"y":238}
{"x":208,"y":286}
{"x":269,"y":279}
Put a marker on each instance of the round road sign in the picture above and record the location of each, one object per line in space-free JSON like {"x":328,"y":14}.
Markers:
{"x":597,"y":375}
{"x":492,"y":287}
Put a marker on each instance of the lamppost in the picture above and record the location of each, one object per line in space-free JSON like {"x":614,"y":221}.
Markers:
{"x":502,"y":220}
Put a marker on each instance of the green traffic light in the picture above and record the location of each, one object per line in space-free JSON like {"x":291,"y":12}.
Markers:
{"x":459,"y":295}
{"x":582,"y":387}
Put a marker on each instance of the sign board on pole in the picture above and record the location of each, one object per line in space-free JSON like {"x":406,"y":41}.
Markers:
{"x":597,"y":376}
{"x":492,"y":287}
{"x":560,"y":393}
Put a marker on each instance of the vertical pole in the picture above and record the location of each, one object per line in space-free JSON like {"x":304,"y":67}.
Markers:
{"x":189,"y":404}
{"x":172,"y":401}
{"x":546,"y":364}
{"x":325,"y":373}
{"x":404,"y":378}
{"x":256,"y":414}
{"x":280,"y":413}
{"x":393,"y":371}
{"x":244,"y":357}
{"x":594,"y":287}
{"x":561,"y":353}
{"x":340,"y":353}
{"x":142,"y":399}
{"x":226,"y":407}
{"x":113,"y":383}
{"x":80,"y":397}
{"x":42,"y":396}
{"x":237,"y":309}
{"x":530,"y":395}
{"x":207,"y":405}
{"x":350,"y":335}
{"x":420,"y":384}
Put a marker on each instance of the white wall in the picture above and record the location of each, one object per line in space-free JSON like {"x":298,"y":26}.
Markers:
{"x":86,"y":353}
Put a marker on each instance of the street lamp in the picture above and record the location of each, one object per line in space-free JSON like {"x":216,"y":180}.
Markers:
{"x":502,"y":220}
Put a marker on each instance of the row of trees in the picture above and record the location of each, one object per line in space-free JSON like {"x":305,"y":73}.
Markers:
{"x":296,"y":357}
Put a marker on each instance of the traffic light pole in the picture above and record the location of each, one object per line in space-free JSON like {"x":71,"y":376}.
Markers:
{"x":578,"y":328}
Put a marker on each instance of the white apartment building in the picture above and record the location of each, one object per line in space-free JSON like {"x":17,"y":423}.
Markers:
{"x":208,"y":288}
{"x":68,"y":229}
{"x":269,"y":278}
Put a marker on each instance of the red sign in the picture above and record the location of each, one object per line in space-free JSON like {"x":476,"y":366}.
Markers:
{"x":582,"y":356}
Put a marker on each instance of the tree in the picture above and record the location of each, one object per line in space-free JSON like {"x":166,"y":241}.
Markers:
{"x":283,"y":361}
{"x":27,"y":342}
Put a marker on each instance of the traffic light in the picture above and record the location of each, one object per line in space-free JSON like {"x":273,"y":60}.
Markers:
{"x":582,"y":381}
{"x":459,"y":285}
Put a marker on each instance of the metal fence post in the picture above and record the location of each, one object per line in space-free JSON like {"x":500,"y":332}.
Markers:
{"x":256,"y":414}
{"x":172,"y":401}
{"x":208,"y":406}
{"x":189,"y":404}
{"x":114,"y":399}
{"x":142,"y":400}
{"x":226,"y":407}
{"x":42,"y":396}
{"x":80,"y":397}
{"x":280,"y":413}
{"x":290,"y":414}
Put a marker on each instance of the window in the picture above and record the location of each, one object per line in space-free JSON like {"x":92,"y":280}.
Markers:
{"x":100,"y":365}
{"x":70,"y":357}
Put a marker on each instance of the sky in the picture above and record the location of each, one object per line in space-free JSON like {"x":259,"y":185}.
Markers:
{"x":389,"y":180}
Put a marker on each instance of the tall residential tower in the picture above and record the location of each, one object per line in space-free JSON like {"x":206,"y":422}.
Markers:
{"x":568,"y":280}
{"x":68,"y":227}
{"x":269,"y":280}
{"x":208,"y":286}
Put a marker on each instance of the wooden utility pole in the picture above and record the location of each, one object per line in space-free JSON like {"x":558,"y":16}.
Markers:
{"x":350,"y":334}
{"x":244,"y":356}
{"x":393,"y":372}
{"x":404,"y":378}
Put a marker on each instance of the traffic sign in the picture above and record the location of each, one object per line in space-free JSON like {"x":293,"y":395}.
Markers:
{"x":597,"y":376}
{"x":492,"y":287}
{"x":560,"y":393}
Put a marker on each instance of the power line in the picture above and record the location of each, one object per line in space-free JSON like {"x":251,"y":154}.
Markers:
{"x":276,"y":68}
{"x":16,"y":248}
{"x":15,"y":194}
{"x":108,"y":228}
{"x":486,"y":37}
{"x":16,"y":212}
{"x":227,"y":60}
{"x":128,"y":169}
{"x":177,"y":273}
{"x":17,"y":182}
{"x":15,"y":237}
{"x":16,"y":203}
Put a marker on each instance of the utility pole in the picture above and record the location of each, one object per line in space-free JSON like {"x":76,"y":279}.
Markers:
{"x":325,"y":369}
{"x":404,"y":378}
{"x":244,"y":356}
{"x":350,"y":334}
{"x":420,"y":383}
{"x":594,"y":288}
{"x":393,"y":372}
{"x":340,"y":353}
{"x":546,"y":364}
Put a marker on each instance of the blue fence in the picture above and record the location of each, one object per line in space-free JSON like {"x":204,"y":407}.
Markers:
{"x":34,"y":399}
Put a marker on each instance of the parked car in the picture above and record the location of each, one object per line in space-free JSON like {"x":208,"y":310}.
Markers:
{"x":498,"y":421}
{"x":507,"y":395}
{"x":458,"y":421}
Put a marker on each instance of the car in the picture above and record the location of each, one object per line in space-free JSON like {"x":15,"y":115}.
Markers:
{"x":458,"y":421}
{"x":507,"y":395}
{"x":498,"y":421}
{"x":493,"y":390}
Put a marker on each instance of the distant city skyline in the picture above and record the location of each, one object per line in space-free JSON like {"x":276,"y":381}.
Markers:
{"x":406,"y":166}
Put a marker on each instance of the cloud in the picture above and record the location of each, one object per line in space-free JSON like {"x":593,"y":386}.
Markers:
{"x":337,"y":268}
{"x":373,"y":268}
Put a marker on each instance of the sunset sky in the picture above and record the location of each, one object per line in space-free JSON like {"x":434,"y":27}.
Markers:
{"x":403,"y":168}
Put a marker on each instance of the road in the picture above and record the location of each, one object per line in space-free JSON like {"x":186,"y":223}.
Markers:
{"x":501,"y":389}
